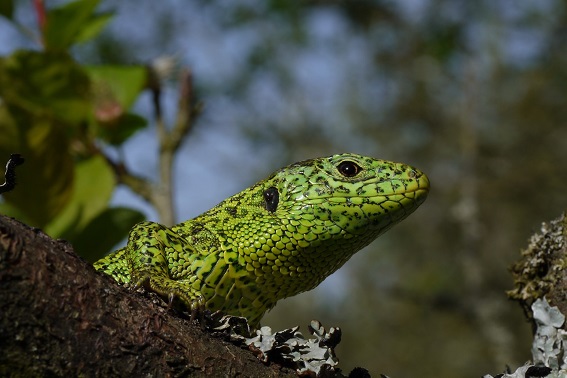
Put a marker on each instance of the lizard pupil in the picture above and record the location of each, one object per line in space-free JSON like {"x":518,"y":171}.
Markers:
{"x":349,"y":169}
{"x":271,"y":198}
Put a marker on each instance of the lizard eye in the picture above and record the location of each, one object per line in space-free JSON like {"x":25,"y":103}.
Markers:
{"x":349,"y":169}
{"x":271,"y":198}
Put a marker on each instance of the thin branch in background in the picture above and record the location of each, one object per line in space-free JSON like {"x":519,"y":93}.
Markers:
{"x":160,"y":194}
{"x":10,"y":175}
{"x":187,"y":110}
{"x":169,"y":142}
{"x":137,"y":184}
{"x":154,"y":85}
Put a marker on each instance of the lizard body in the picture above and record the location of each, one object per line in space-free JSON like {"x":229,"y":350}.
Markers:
{"x":282,"y":236}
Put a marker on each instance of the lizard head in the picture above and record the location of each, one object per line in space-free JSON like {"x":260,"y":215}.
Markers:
{"x":287,"y":233}
{"x":345,"y":194}
{"x":329,"y":208}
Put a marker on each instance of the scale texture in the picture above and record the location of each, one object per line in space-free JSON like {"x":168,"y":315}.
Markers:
{"x":280,"y":237}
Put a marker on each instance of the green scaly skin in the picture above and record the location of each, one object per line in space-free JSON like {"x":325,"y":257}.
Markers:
{"x":278,"y":238}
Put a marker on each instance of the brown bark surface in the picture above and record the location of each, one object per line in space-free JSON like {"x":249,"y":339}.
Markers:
{"x":62,"y":318}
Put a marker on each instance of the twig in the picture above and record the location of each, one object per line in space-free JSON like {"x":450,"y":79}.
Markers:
{"x":170,"y":141}
{"x":10,"y":175}
{"x":187,"y":110}
{"x":138,"y":185}
{"x":160,"y":195}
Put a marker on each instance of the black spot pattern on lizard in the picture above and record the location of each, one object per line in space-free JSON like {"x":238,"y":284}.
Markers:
{"x":242,"y":256}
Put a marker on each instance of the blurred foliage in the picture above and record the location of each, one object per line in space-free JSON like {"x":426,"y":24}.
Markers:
{"x":473,"y":93}
{"x":53,"y":113}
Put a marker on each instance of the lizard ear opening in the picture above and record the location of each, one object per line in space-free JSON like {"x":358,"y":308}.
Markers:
{"x":271,"y":199}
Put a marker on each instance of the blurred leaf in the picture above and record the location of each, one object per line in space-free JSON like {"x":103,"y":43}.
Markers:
{"x":94,"y":183}
{"x":118,"y":132}
{"x":45,"y":98}
{"x":7,"y":8}
{"x":105,"y":231}
{"x":9,"y":135}
{"x":6,"y":208}
{"x":44,"y":182}
{"x":65,"y":24}
{"x":93,"y":27}
{"x":48,"y":85}
{"x":120,"y":83}
{"x":115,"y":89}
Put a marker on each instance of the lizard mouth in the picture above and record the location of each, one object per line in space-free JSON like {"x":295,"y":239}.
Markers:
{"x":417,"y":189}
{"x":375,"y":213}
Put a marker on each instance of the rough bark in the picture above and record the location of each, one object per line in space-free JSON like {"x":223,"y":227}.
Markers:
{"x":62,"y":318}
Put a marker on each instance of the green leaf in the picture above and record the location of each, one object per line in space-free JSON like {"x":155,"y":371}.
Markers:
{"x":105,"y":231}
{"x":7,"y":8}
{"x":48,"y":85}
{"x":65,"y":24}
{"x":44,"y":182}
{"x":94,"y":183}
{"x":120,"y":83}
{"x":93,"y":27}
{"x":123,"y":128}
{"x":115,"y":89}
{"x":10,"y":210}
{"x":45,"y":100}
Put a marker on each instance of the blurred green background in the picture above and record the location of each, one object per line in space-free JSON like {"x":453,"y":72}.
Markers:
{"x":474,"y":93}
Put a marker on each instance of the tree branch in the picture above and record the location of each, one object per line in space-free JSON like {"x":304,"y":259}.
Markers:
{"x":62,"y":318}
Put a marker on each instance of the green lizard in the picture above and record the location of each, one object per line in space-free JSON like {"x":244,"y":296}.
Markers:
{"x":280,"y":237}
